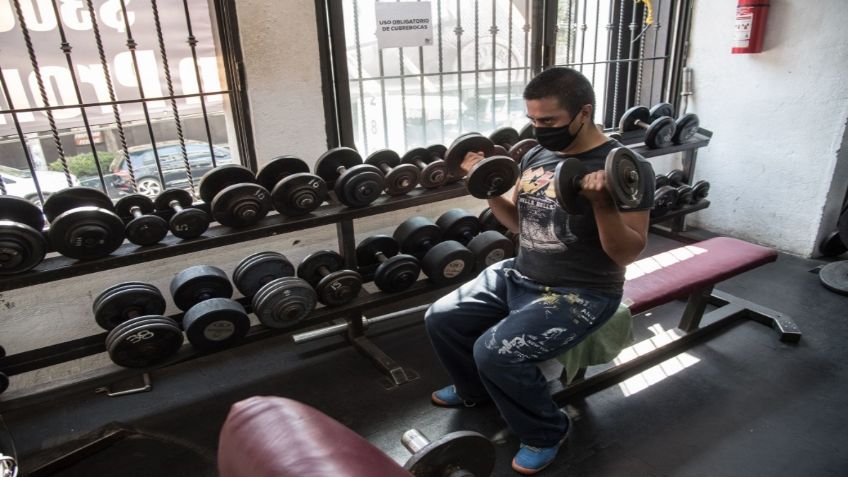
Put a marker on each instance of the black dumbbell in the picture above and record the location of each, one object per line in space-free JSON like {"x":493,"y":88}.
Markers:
{"x":144,"y":341}
{"x":488,"y":221}
{"x":661,"y":110}
{"x":325,"y":271}
{"x":355,"y":184}
{"x":700,"y":190}
{"x":125,"y":301}
{"x":459,"y":225}
{"x":658,"y":133}
{"x":443,"y":263}
{"x":294,"y":190}
{"x":83,"y":223}
{"x":22,"y":243}
{"x":625,"y":180}
{"x":521,"y":148}
{"x":491,"y":177}
{"x":400,"y":178}
{"x":234,"y":196}
{"x":665,"y":200}
{"x":491,"y":247}
{"x":186,"y":222}
{"x":279,"y":298}
{"x":463,"y":227}
{"x":687,"y":195}
{"x":392,"y":271}
{"x":686,"y":127}
{"x":143,"y":228}
{"x":504,"y":138}
{"x":458,"y":454}
{"x":434,"y":170}
{"x":212,"y":320}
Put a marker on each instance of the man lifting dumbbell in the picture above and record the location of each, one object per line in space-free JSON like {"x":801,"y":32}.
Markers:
{"x":567,"y":278}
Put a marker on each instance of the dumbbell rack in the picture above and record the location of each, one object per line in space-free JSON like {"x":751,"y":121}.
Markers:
{"x":58,"y":267}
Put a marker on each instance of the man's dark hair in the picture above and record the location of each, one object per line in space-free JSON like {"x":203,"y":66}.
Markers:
{"x":571,"y":89}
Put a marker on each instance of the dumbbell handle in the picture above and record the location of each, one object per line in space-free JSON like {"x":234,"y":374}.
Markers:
{"x":641,"y":124}
{"x":341,"y":169}
{"x":175,"y":204}
{"x":381,"y":257}
{"x":385,"y":168}
{"x":324,"y":271}
{"x":136,"y":211}
{"x":414,"y":440}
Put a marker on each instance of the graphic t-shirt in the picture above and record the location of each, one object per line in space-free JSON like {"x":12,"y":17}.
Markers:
{"x":559,"y":249}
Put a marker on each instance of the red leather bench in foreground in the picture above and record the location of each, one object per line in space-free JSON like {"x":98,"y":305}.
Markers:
{"x":279,"y":437}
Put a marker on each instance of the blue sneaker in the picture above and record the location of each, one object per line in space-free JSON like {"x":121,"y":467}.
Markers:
{"x":447,"y":397}
{"x":530,"y":460}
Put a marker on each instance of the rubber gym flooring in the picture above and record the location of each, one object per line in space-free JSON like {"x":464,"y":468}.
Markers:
{"x":743,"y":404}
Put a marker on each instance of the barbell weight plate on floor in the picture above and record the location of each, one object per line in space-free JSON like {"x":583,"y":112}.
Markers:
{"x":505,"y":137}
{"x":700,"y":191}
{"x":685,"y":196}
{"x":145,"y":230}
{"x":660,"y":133}
{"x":629,"y":118}
{"x":215,"y":323}
{"x":470,"y":142}
{"x":86,"y":233}
{"x":241,"y":205}
{"x":455,"y":452}
{"x":278,"y":169}
{"x":527,"y":132}
{"x":625,"y":179}
{"x":834,"y":276}
{"x":665,"y":199}
{"x":189,"y":223}
{"x":284,"y":302}
{"x":22,"y":211}
{"x":326,"y":167}
{"x":299,"y":194}
{"x":144,"y":341}
{"x":222,"y":177}
{"x":488,"y":221}
{"x":416,"y":235}
{"x":567,"y":179}
{"x":492,"y":177}
{"x":125,"y":301}
{"x":435,"y":170}
{"x":661,"y":109}
{"x":832,"y":245}
{"x":448,"y":262}
{"x":521,"y":148}
{"x":66,"y":199}
{"x":198,"y":283}
{"x":338,"y":287}
{"x":686,"y":127}
{"x":21,"y":247}
{"x":459,"y":225}
{"x":255,"y":270}
{"x":491,"y":247}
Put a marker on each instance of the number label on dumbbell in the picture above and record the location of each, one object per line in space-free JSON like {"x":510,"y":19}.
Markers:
{"x":219,"y":330}
{"x":140,"y":336}
{"x":494,"y":257}
{"x":453,"y":268}
{"x":181,"y":227}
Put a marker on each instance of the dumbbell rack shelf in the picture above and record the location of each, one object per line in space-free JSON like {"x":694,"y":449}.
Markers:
{"x":57,"y":268}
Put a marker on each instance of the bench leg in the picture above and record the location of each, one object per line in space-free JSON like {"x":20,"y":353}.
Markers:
{"x":787,"y":330}
{"x":694,"y":312}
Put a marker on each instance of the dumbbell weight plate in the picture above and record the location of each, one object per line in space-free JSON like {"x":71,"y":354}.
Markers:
{"x":222,"y":177}
{"x":127,"y":300}
{"x":700,"y":191}
{"x":661,"y":109}
{"x":521,"y":148}
{"x":144,"y":341}
{"x":685,"y":196}
{"x":527,"y":132}
{"x":22,"y":211}
{"x":241,"y":205}
{"x":470,"y":142}
{"x":402,"y":178}
{"x":675,"y":177}
{"x":337,"y":288}
{"x":665,"y":199}
{"x":629,"y":118}
{"x":367,"y":250}
{"x":832,"y":245}
{"x":491,"y":247}
{"x":438,"y":151}
{"x":459,"y":225}
{"x":255,"y":270}
{"x":499,"y":150}
{"x":505,"y":137}
{"x":86,"y":233}
{"x":415,"y":234}
{"x":145,"y":230}
{"x":299,"y":194}
{"x":466,"y":450}
{"x":21,"y":247}
{"x":834,"y":276}
{"x":660,"y":133}
{"x":190,"y":222}
{"x":448,"y":262}
{"x":435,"y":172}
{"x":488,"y":221}
{"x":624,"y":177}
{"x":73,"y":197}
{"x":198,"y":283}
{"x":397,"y":273}
{"x":327,"y":165}
{"x":661,"y":181}
{"x":567,"y":186}
{"x":492,"y":177}
{"x":215,"y":323}
{"x":278,"y":169}
{"x":359,"y":185}
{"x":686,"y":127}
{"x":284,"y":302}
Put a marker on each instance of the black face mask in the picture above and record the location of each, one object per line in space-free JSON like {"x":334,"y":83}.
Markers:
{"x":558,"y":138}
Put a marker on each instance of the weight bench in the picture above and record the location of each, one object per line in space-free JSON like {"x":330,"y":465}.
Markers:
{"x":690,"y":273}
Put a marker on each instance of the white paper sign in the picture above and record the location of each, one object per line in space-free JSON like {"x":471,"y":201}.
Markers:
{"x":404,"y":24}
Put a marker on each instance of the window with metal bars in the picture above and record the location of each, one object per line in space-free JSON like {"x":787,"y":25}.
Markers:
{"x":126,"y":96}
{"x":472,"y":76}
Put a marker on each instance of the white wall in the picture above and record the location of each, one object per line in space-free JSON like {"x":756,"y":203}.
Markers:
{"x":778,"y":118}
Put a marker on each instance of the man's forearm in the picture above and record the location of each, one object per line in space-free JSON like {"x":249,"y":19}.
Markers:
{"x":622,"y":243}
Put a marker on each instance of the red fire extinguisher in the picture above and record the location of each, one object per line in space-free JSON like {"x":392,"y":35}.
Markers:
{"x":750,"y":26}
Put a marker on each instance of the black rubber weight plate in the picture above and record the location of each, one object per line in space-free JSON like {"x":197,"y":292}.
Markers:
{"x":834,"y":276}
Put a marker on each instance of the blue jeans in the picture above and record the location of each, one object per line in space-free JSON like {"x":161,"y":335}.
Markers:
{"x":490,"y":333}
